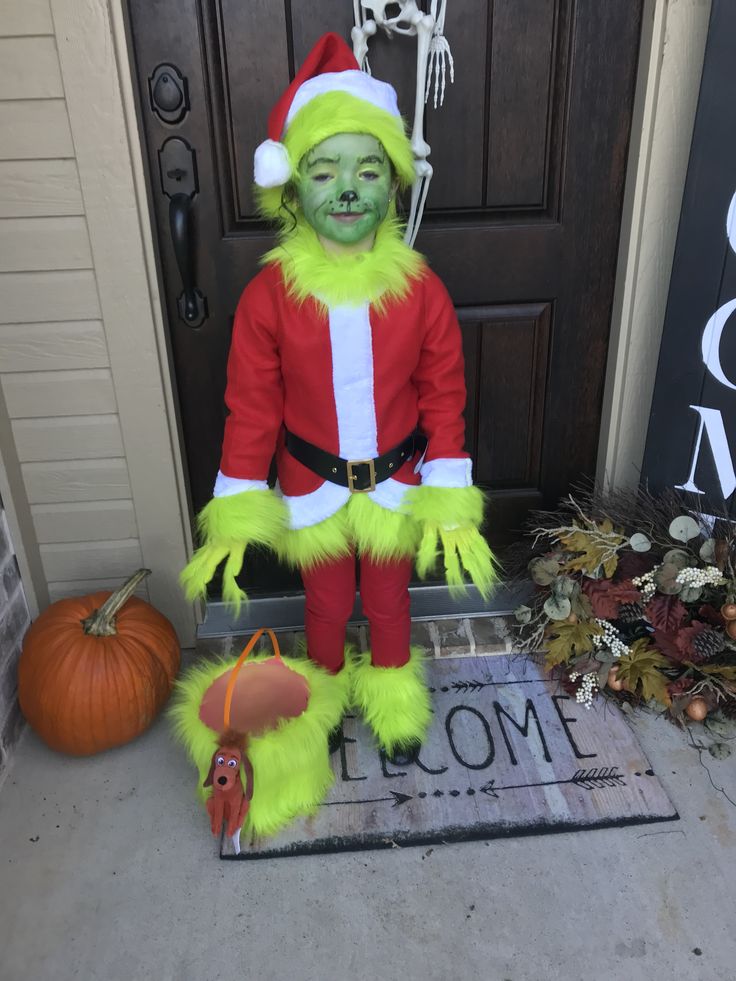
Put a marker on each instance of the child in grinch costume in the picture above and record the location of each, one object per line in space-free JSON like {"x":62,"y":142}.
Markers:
{"x":346,"y":361}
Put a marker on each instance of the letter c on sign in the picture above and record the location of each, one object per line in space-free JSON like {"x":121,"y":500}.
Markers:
{"x":711,"y":342}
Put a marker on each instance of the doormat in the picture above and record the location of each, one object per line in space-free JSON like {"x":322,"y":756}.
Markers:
{"x":507,"y":754}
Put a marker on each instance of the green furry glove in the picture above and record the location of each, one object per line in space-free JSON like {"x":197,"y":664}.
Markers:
{"x":226,"y":526}
{"x":450,"y":517}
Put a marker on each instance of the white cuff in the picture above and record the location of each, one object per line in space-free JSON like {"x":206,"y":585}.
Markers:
{"x":448,"y":472}
{"x":225,"y":486}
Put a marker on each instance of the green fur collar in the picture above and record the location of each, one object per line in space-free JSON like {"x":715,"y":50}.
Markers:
{"x":378,"y":276}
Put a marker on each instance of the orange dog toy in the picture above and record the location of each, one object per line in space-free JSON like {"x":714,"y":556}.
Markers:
{"x":229,"y":803}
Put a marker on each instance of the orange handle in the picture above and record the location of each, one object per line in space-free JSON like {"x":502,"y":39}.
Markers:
{"x":246,"y":651}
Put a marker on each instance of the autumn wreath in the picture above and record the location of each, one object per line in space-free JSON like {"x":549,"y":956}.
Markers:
{"x":635,"y":595}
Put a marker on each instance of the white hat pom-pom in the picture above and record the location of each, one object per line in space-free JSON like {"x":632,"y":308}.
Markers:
{"x":271,"y":164}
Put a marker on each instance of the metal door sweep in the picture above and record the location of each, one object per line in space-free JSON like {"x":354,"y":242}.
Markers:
{"x":285,"y":611}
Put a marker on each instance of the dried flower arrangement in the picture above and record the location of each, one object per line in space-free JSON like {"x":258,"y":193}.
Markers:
{"x":637,"y":595}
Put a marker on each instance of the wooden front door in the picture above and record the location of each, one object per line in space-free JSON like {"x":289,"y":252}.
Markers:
{"x":522,"y":220}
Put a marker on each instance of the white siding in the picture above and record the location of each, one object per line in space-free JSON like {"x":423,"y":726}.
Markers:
{"x":55,"y":377}
{"x":44,"y":243}
{"x":30,"y":188}
{"x":26,"y":17}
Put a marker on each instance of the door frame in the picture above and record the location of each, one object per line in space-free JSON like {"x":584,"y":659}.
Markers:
{"x":669,"y":70}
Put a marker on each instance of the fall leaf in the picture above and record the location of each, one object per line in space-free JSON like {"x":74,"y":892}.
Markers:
{"x":591,"y":554}
{"x":566,"y":640}
{"x":677,"y":645}
{"x":639,"y":671}
{"x":606,"y":597}
{"x":665,"y":612}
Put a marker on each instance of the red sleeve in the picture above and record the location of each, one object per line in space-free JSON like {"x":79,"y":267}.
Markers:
{"x":254,"y":392}
{"x":440,"y":375}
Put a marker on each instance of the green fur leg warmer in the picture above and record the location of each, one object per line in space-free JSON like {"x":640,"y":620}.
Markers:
{"x":394,"y":702}
{"x":291,"y":764}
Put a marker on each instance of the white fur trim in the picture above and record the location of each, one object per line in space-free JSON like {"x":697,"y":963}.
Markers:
{"x":271,"y":166}
{"x":309,"y":509}
{"x":448,"y":473}
{"x":352,"y":381}
{"x":389,"y":494}
{"x":225,"y":486}
{"x":352,"y":82}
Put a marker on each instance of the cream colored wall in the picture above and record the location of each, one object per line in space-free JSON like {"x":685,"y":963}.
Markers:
{"x":86,"y":443}
{"x":671,"y":64}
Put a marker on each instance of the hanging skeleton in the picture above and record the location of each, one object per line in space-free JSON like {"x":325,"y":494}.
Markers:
{"x":433,"y":60}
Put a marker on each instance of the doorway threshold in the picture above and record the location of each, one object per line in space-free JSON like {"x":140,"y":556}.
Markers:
{"x":285,"y":611}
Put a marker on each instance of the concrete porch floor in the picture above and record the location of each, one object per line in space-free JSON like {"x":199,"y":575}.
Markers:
{"x":109,"y":873}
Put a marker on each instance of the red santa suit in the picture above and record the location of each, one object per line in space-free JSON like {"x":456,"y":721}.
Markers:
{"x":348,"y":379}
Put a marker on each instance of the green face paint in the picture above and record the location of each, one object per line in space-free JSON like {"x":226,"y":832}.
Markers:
{"x":344,"y":188}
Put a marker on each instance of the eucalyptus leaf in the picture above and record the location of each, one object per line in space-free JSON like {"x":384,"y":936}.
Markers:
{"x":523,"y":614}
{"x":708,"y":551}
{"x":689,"y":594}
{"x":543,"y":570}
{"x":564,"y":586}
{"x":557,"y":607}
{"x":678,"y":557}
{"x":719,"y":751}
{"x":719,"y":725}
{"x":683,"y":528}
{"x":639,"y":542}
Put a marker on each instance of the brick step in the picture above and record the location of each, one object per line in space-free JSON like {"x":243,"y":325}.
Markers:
{"x":458,"y":637}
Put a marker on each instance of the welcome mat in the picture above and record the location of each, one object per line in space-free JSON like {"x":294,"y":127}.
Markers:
{"x":508,"y":753}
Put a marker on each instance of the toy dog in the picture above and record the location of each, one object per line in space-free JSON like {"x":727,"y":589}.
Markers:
{"x":229,"y":803}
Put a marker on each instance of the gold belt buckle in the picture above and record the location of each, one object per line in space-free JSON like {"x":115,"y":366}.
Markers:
{"x":353,"y":477}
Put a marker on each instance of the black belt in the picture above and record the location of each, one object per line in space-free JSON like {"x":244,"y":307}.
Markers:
{"x":356,"y":475}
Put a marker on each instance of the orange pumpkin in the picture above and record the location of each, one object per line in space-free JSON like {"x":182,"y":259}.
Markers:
{"x":96,"y":670}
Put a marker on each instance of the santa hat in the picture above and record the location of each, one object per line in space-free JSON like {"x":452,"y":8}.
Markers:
{"x":330,"y":95}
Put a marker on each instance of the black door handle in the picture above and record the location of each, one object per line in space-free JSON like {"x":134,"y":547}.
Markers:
{"x":192,"y":304}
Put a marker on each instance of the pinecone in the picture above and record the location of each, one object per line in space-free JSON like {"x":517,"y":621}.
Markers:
{"x":630,"y":612}
{"x":708,"y":643}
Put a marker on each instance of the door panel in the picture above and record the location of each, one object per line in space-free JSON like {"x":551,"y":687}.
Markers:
{"x":522,"y":220}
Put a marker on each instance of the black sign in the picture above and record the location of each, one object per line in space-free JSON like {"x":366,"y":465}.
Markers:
{"x":691,"y":442}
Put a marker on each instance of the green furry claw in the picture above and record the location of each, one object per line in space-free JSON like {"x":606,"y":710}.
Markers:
{"x":394,"y":702}
{"x":447,"y":506}
{"x":226,"y":526}
{"x":251,"y":517}
{"x":451,"y":518}
{"x":291,"y":764}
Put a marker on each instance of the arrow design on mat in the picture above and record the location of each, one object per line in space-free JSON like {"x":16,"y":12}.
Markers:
{"x":606,"y":776}
{"x":396,"y":798}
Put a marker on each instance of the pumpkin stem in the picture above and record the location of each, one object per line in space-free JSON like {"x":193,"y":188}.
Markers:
{"x":101,"y":623}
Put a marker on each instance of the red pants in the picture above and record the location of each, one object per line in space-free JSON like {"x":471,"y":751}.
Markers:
{"x":330,"y":595}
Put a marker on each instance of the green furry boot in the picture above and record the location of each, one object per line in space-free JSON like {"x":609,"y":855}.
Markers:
{"x":394,"y":702}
